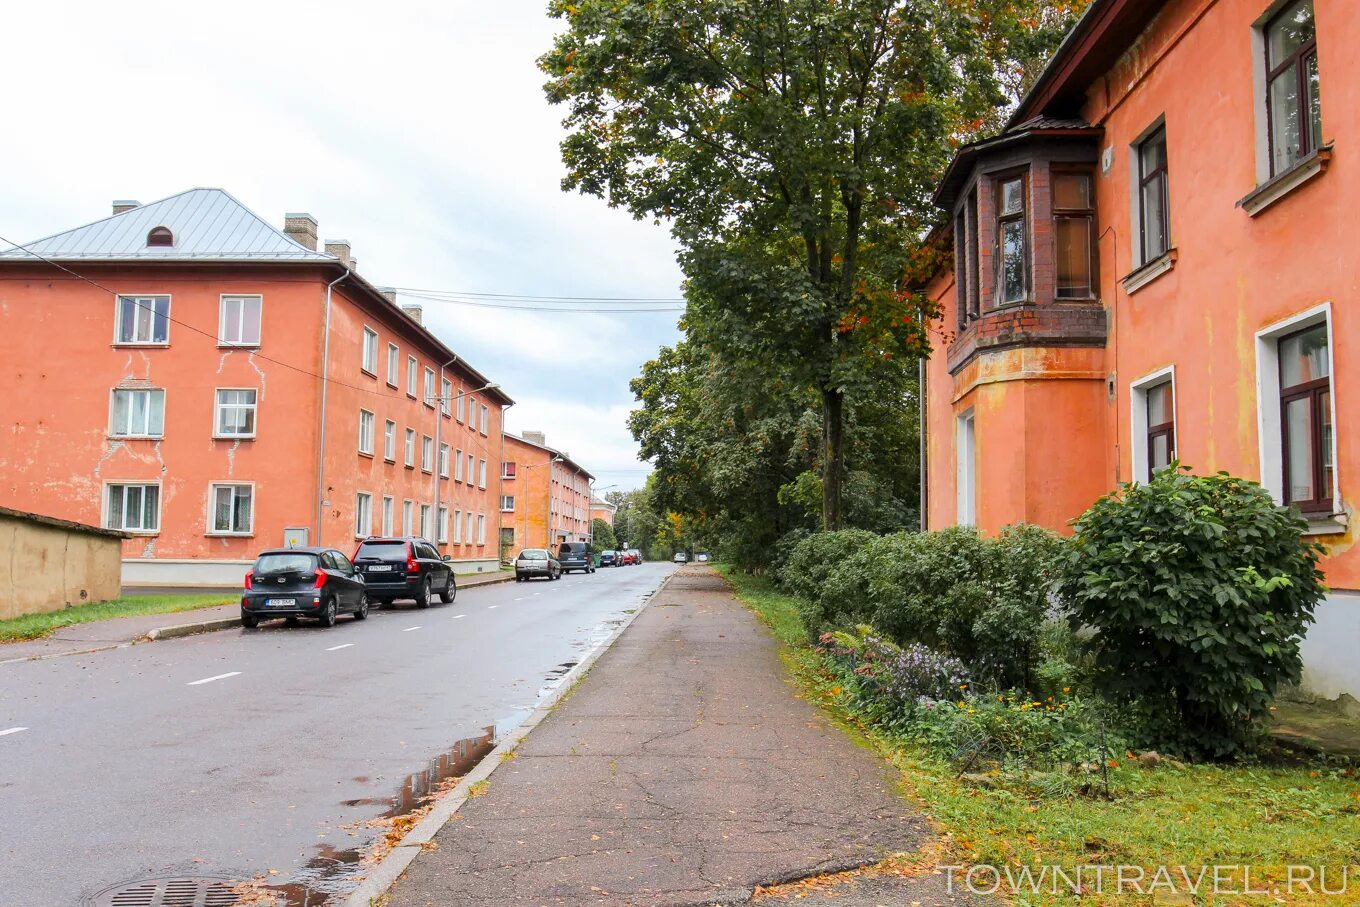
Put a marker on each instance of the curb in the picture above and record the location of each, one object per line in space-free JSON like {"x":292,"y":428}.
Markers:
{"x":203,"y":626}
{"x":390,"y":868}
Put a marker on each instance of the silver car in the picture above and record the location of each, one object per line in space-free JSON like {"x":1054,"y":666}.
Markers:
{"x":533,"y":562}
{"x":681,"y":557}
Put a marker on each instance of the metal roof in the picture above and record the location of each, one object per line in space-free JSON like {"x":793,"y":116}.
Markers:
{"x":208,"y":225}
{"x":552,"y":450}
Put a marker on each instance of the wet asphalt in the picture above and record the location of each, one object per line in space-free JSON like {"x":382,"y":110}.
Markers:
{"x":239,"y":752}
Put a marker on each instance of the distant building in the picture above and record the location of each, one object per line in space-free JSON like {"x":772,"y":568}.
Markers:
{"x":545,"y":495}
{"x":185,"y":372}
{"x":602,"y":510}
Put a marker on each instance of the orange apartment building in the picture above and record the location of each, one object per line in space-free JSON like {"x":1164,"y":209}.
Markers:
{"x":214,"y":386}
{"x":546,"y":495}
{"x":602,"y":510}
{"x":1156,"y":260}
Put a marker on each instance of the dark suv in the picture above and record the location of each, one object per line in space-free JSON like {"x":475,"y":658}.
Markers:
{"x":404,"y":568}
{"x":302,"y":582}
{"x":575,"y":556}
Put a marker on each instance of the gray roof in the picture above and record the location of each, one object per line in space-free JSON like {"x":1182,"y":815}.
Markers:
{"x":208,"y":225}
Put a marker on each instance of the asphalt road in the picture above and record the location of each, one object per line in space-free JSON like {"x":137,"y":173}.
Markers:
{"x":239,"y":752}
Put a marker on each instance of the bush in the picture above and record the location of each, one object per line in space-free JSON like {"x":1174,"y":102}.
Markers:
{"x":811,"y":562}
{"x":891,"y":682}
{"x":1200,"y":588}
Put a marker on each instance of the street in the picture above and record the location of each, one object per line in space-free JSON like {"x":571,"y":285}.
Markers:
{"x":241,"y":752}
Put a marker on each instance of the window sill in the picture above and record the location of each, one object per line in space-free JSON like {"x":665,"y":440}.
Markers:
{"x":229,"y":535}
{"x":367,"y":372}
{"x":141,"y":346}
{"x":142,"y":533}
{"x":1149,"y":272}
{"x":1282,"y":184}
{"x":136,"y":437}
{"x":392,"y":460}
{"x":1335,"y":524}
{"x":233,"y":437}
{"x":410,"y":466}
{"x":367,"y":454}
{"x":224,"y":345}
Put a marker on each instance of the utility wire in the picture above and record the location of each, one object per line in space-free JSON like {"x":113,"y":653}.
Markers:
{"x":412,"y":294}
{"x":521,"y":297}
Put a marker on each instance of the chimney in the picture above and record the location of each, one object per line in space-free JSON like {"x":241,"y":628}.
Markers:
{"x":416,"y":312}
{"x":534,"y":437}
{"x":340,"y":249}
{"x":390,"y":293}
{"x":301,"y":228}
{"x":125,"y":204}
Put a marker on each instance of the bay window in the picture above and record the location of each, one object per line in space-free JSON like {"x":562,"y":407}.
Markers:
{"x":1012,"y":241}
{"x":1073,"y":232}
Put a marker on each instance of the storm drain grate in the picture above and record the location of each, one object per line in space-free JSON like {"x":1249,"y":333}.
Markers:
{"x":177,"y":892}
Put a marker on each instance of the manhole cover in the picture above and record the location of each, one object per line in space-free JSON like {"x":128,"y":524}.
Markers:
{"x":176,"y":892}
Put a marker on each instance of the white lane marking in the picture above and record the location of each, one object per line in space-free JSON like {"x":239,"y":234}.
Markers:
{"x":538,"y":593}
{"x":194,"y":683}
{"x":459,"y":616}
{"x":520,"y":599}
{"x":492,"y":607}
{"x":341,"y":646}
{"x":13,"y":730}
{"x":409,"y":629}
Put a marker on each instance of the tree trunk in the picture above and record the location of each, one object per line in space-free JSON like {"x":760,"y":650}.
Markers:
{"x":833,"y":453}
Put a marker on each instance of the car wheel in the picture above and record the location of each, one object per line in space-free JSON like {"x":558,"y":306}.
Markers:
{"x":328,"y":612}
{"x":423,"y":598}
{"x":518,"y":578}
{"x":362,"y":612}
{"x":249,"y":621}
{"x":450,"y":590}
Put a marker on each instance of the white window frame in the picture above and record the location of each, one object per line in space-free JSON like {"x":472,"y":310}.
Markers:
{"x":446,"y":397}
{"x":1269,"y":430}
{"x":471,"y":466}
{"x":218,"y":406}
{"x":486,"y":415}
{"x":1138,"y":420}
{"x":366,"y":436}
{"x":213,"y":488}
{"x":443,"y":461}
{"x":458,"y":410}
{"x":409,"y":449}
{"x":389,"y":442}
{"x":429,"y":386}
{"x":458,"y":465}
{"x":458,"y":527}
{"x":125,"y":484}
{"x":965,"y":471}
{"x":507,"y":503}
{"x":240,"y":299}
{"x":426,"y":454}
{"x":412,"y":376}
{"x":408,"y":518}
{"x":140,"y":299}
{"x":426,"y":526}
{"x":514,"y":469}
{"x":393,"y":365}
{"x":481,"y":529}
{"x":442,"y":518}
{"x":369,"y":354}
{"x":481,"y":473}
{"x":469,"y":534}
{"x":388,"y":514}
{"x":151,"y":393}
{"x":363,"y":514}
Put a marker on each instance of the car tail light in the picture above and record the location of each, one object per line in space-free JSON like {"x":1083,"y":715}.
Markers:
{"x":249,"y":578}
{"x":412,"y":565}
{"x":320,"y":579}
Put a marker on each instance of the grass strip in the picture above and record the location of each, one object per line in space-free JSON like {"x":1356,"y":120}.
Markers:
{"x":35,"y":626}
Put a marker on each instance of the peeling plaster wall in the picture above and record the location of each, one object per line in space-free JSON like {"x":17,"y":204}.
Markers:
{"x":46,"y":568}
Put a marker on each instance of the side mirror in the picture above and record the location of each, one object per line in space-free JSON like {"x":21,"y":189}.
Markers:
{"x":447,"y":557}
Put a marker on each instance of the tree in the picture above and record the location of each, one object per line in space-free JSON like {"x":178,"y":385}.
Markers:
{"x":793,"y":145}
{"x":602,"y":536}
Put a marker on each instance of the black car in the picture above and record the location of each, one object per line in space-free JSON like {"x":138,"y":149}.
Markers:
{"x":303,"y":582}
{"x":405,"y":568}
{"x":575,"y":556}
{"x":609,"y":559}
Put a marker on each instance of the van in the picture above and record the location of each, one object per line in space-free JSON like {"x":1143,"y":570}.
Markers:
{"x":575,"y":556}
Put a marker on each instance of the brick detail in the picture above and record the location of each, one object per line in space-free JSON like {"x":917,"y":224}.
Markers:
{"x":1081,"y":324}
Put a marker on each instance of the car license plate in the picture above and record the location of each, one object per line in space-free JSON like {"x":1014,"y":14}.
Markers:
{"x":380,"y":568}
{"x":280,"y":602}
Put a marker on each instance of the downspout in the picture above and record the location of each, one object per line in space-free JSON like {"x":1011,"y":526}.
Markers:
{"x":921,"y":430}
{"x":325,"y":384}
{"x":438,"y":426}
{"x":500,"y":511}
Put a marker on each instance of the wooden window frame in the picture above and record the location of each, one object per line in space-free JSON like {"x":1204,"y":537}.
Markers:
{"x":1089,"y":215}
{"x":1315,"y":392}
{"x":999,"y":183}
{"x":1165,"y":429}
{"x":1298,"y":61}
{"x":1162,"y":172}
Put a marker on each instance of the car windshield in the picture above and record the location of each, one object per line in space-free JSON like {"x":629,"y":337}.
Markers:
{"x":533,"y":555}
{"x":568,"y":550}
{"x":381,"y":549}
{"x":285,"y":563}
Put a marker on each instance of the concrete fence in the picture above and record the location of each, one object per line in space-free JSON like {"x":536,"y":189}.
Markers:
{"x":47,"y":564}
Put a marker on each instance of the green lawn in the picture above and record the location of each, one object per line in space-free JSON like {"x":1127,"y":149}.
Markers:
{"x":33,"y":626}
{"x":1268,"y":816}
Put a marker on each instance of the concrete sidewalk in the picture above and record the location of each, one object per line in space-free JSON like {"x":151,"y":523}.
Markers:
{"x":683,"y":770}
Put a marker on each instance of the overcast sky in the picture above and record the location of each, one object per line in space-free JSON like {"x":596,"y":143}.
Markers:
{"x":416,"y":130}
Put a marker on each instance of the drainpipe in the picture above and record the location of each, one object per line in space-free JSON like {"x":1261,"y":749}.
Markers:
{"x":924,"y":495}
{"x":325,"y":384}
{"x":438,"y":425}
{"x":500,"y":513}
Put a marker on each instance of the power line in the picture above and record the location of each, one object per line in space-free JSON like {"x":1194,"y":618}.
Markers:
{"x":540,"y":308}
{"x":522,"y":297}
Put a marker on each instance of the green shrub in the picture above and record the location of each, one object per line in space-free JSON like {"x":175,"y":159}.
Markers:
{"x":1200,"y":588}
{"x":811,"y":561}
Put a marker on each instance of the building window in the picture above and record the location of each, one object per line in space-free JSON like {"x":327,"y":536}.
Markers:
{"x":233,"y":509}
{"x":1293,"y":106}
{"x":458,"y":465}
{"x":239,"y":321}
{"x":507,"y":469}
{"x":427,"y":453}
{"x":1074,"y":219}
{"x":393,"y":365}
{"x":388,"y":506}
{"x":236,"y":412}
{"x":481,"y":473}
{"x":966,"y":264}
{"x":408,"y":517}
{"x":429,"y":387}
{"x":363,"y":515}
{"x":507,"y":503}
{"x":137,"y":414}
{"x":412,"y":375}
{"x":444,"y":461}
{"x":443,"y":524}
{"x":458,"y":414}
{"x":370,"y":362}
{"x":485,"y":418}
{"x":410,"y":448}
{"x":471,"y":466}
{"x":390,"y":441}
{"x":965,"y":440}
{"x":1161,"y":428}
{"x":143,"y":319}
{"x":481,"y":529}
{"x":365,"y":432}
{"x":426,"y":530}
{"x":1154,"y":200}
{"x":160,"y":236}
{"x":458,"y":527}
{"x":134,"y":508}
{"x":1306,"y":419}
{"x":1012,"y":241}
{"x":446,"y":396}
{"x":467,"y":534}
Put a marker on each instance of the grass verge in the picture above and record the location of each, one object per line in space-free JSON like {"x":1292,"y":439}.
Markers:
{"x":1268,"y":817}
{"x":35,"y":626}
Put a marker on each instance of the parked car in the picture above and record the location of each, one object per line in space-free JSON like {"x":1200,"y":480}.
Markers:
{"x":303,"y":582}
{"x":634,"y":556}
{"x":610,"y":559}
{"x":701,"y":558}
{"x":533,"y":562}
{"x":575,"y":556}
{"x":405,"y":568}
{"x":680,"y":557}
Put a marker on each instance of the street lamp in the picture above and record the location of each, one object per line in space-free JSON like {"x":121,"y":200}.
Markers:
{"x":443,"y":401}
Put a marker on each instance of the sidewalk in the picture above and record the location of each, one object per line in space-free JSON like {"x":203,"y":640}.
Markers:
{"x":123,"y":631}
{"x":684,"y":770}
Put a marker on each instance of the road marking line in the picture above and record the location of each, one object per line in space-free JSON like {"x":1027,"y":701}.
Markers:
{"x":492,"y":607}
{"x":13,"y":730}
{"x":341,"y":646}
{"x":520,"y":599}
{"x":409,"y":629}
{"x":459,"y":616}
{"x":194,"y":683}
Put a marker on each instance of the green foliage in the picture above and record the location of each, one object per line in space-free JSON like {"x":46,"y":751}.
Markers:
{"x":1200,"y":588}
{"x":812,"y":561}
{"x":35,"y":626}
{"x":602,"y":536}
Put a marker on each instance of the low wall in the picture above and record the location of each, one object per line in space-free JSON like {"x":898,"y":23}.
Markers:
{"x":1331,"y":665}
{"x":50,"y":564}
